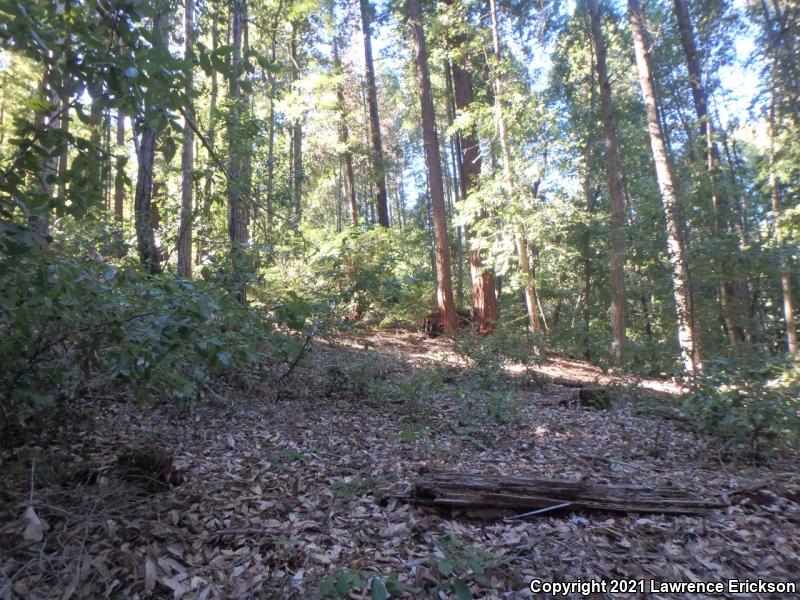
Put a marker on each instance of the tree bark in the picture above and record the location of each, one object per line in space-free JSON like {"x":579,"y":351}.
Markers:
{"x":484,"y":302}
{"x":344,"y":134}
{"x":237,"y":188}
{"x":297,"y":139}
{"x":614,"y":184}
{"x":187,"y":156}
{"x":520,"y":239}
{"x":433,"y":160}
{"x":210,"y":137}
{"x":143,"y":201}
{"x":719,"y":203}
{"x":119,"y":180}
{"x":688,"y":338}
{"x":786,"y":277}
{"x":378,"y":163}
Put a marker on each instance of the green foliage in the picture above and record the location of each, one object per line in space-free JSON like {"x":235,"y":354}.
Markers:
{"x":379,"y":271}
{"x":339,"y":585}
{"x":751,"y":400}
{"x":457,"y":563}
{"x":71,"y":327}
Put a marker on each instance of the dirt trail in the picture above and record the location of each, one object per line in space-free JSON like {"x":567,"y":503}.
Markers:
{"x":281,"y":492}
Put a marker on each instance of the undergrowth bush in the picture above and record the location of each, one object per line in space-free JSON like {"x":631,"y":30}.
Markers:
{"x":71,"y":327}
{"x":755,"y":402}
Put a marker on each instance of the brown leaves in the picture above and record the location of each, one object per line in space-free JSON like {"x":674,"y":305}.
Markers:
{"x":277,"y":497}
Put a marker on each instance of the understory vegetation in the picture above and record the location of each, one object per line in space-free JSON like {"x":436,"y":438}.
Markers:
{"x":265,"y":264}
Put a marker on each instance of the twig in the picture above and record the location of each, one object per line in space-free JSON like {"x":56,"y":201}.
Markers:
{"x":539,"y":511}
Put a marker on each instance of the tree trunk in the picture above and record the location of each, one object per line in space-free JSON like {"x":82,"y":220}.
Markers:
{"x":520,"y":239}
{"x":187,"y":156}
{"x":719,"y":203}
{"x":297,"y":139}
{"x":237,"y":189}
{"x":786,"y":278}
{"x":344,"y":134}
{"x":143,"y":201}
{"x":210,"y":137}
{"x":433,"y":160}
{"x":484,"y":302}
{"x":64,"y":157}
{"x":687,"y":333}
{"x":378,"y":164}
{"x":614,"y":183}
{"x":119,"y":180}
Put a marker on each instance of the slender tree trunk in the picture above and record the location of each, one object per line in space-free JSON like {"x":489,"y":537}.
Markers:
{"x":187,"y":157}
{"x":378,"y":163}
{"x":297,"y":138}
{"x":143,"y":201}
{"x":445,"y":302}
{"x":786,"y":278}
{"x":64,"y":157}
{"x":119,"y":180}
{"x":344,"y":134}
{"x":210,"y":139}
{"x":614,"y":183}
{"x":520,"y":239}
{"x":237,"y":189}
{"x":687,"y":334}
{"x":728,"y":298}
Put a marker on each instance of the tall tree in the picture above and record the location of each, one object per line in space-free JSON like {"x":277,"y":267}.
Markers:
{"x":688,"y":338}
{"x":297,"y":133}
{"x":786,"y":276}
{"x":521,"y":240}
{"x":210,"y":138}
{"x":187,"y":155}
{"x":727,"y":289}
{"x":614,"y":184}
{"x":237,"y":185}
{"x":346,"y":155}
{"x":484,"y":302}
{"x":119,"y":179}
{"x":149,"y":126}
{"x":378,"y":163}
{"x":430,"y":138}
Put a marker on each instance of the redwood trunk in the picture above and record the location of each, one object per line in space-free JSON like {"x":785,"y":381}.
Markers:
{"x":520,"y":239}
{"x":445,"y":302}
{"x":484,"y":302}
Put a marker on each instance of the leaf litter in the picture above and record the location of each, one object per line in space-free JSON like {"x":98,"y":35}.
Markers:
{"x":292,"y":491}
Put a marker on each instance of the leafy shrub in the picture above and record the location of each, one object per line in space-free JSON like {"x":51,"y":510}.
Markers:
{"x":755,"y":402}
{"x":73,"y":326}
{"x":375,"y":270}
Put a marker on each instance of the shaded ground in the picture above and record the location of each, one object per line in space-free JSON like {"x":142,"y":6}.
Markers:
{"x":281,"y":493}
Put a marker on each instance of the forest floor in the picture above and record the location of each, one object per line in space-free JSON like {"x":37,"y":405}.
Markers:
{"x":284,"y":488}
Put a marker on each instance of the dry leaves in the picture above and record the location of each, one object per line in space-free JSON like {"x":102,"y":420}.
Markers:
{"x":283,"y":492}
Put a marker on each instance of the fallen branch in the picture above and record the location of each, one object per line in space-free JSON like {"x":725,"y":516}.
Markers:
{"x":475,"y":492}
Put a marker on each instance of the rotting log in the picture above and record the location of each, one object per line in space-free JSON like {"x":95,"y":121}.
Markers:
{"x":477,"y":494}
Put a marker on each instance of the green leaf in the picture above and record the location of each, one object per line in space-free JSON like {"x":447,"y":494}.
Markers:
{"x":461,"y":589}
{"x":378,"y":590}
{"x":445,"y":568}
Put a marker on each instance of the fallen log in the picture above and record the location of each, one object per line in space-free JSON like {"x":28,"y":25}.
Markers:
{"x":475,"y":493}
